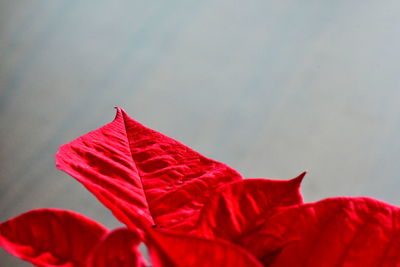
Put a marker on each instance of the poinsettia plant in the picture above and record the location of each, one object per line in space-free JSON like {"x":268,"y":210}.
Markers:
{"x":190,"y":210}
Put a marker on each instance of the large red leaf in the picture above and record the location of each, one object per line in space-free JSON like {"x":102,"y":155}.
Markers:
{"x":239,"y":207}
{"x":50,"y":237}
{"x":119,"y":248}
{"x":171,"y":249}
{"x":143,"y":176}
{"x":332,"y":232}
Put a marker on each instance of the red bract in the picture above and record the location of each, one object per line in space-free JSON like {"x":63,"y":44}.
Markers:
{"x":144,"y":177}
{"x":180,"y":250}
{"x":119,"y":248}
{"x":332,"y":232}
{"x":193,"y":211}
{"x":237,"y":208}
{"x":50,"y":237}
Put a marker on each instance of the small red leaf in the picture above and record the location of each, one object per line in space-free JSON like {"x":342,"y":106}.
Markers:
{"x":144,"y":177}
{"x":118,"y":248}
{"x":332,"y":232}
{"x":237,"y":208}
{"x":171,"y":249}
{"x":50,"y":237}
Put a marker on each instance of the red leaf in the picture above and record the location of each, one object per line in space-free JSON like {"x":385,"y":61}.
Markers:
{"x":118,"y":248}
{"x":332,"y":232}
{"x":144,"y":177}
{"x":50,"y":237}
{"x":171,"y":249}
{"x":237,"y":208}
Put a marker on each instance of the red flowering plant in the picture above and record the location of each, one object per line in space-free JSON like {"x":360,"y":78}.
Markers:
{"x":193,"y":211}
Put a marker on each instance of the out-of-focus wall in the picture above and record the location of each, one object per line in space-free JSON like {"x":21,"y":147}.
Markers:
{"x":268,"y":87}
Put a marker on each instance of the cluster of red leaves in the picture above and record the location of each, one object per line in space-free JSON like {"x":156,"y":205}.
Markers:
{"x":193,"y":211}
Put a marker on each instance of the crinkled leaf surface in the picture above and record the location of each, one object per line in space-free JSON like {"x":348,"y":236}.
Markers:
{"x":119,"y":248}
{"x":239,"y":207}
{"x":332,"y":232}
{"x":143,"y":176}
{"x":51,"y":237}
{"x":171,"y":249}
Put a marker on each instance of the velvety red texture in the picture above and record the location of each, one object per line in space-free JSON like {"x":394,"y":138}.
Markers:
{"x":202,"y":212}
{"x":119,"y":248}
{"x":331,"y":232}
{"x":51,"y":237}
{"x":143,"y":176}
{"x":238,"y":208}
{"x":181,"y":250}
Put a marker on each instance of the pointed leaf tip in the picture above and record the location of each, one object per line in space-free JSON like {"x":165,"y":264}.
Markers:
{"x":119,"y":111}
{"x":143,"y":176}
{"x":241,"y":205}
{"x":300,"y":177}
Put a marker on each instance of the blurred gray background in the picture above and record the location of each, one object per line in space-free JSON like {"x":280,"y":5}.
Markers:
{"x":269,"y":87}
